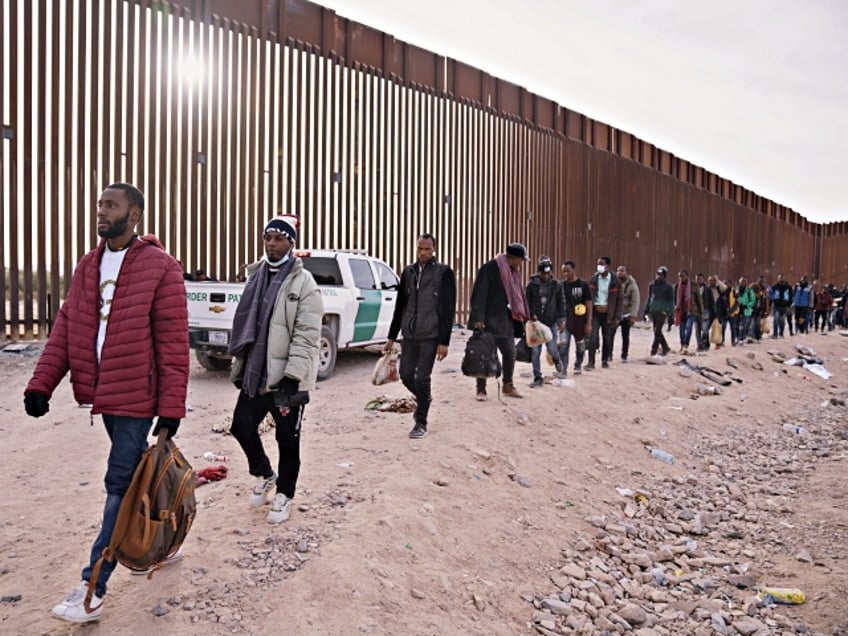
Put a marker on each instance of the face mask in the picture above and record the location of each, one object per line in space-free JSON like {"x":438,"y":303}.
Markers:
{"x":602,"y":269}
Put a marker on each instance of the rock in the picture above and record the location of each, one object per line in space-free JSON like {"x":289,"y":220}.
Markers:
{"x":11,"y":598}
{"x":748,"y":626}
{"x":742,"y":581}
{"x":633,"y":614}
{"x":718,"y":624}
{"x":416,"y":593}
{"x":441,"y":481}
{"x":804,"y":556}
{"x":556,"y":606}
{"x":574,"y":571}
{"x":479,"y":603}
{"x":159,"y":610}
{"x":521,"y":480}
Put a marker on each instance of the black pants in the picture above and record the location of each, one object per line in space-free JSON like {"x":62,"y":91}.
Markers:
{"x":248,"y":414}
{"x":659,"y":319}
{"x":601,"y":328}
{"x":507,"y":348}
{"x":625,"y":337}
{"x":416,"y":366}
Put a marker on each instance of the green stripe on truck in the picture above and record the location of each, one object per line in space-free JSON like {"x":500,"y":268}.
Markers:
{"x":365,"y":324}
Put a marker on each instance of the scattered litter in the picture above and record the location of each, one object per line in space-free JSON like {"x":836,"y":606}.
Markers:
{"x":209,"y":456}
{"x":660,"y":454}
{"x":345,"y":464}
{"x":819,"y":370}
{"x":394,"y":405}
{"x":210,"y":473}
{"x":784,"y":595}
{"x":798,"y":430}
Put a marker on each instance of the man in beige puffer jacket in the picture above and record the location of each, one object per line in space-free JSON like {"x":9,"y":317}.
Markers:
{"x":275,"y":341}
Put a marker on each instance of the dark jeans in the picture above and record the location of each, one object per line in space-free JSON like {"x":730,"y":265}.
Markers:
{"x":564,"y":344}
{"x":601,"y":328}
{"x":129,"y":440}
{"x":781,"y":318}
{"x":659,"y":319}
{"x":248,"y":414}
{"x":743,"y":327}
{"x":416,"y":365}
{"x":625,"y":337}
{"x":507,"y":348}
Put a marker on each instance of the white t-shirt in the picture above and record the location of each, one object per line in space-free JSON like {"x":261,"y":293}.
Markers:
{"x":110,"y":266}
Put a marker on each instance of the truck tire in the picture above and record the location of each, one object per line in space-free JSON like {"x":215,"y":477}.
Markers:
{"x":212,"y":363}
{"x":326,"y":353}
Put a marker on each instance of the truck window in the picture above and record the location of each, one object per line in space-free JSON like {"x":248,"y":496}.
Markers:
{"x":362,"y":275}
{"x":388,"y":280}
{"x":324,"y":270}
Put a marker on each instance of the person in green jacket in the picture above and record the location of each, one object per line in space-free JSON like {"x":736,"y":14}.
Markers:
{"x":747,"y":300}
{"x":660,"y":307}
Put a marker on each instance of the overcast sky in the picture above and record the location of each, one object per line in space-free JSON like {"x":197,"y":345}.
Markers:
{"x":753,"y":90}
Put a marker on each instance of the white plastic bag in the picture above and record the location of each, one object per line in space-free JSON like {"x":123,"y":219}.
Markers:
{"x":537,"y":333}
{"x":386,"y":369}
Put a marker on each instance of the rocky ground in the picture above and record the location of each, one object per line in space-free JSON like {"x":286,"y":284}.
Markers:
{"x":542,"y":515}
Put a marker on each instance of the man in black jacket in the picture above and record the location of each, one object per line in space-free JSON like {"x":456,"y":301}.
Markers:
{"x":499,"y":306}
{"x":546,"y":305}
{"x":424,"y":314}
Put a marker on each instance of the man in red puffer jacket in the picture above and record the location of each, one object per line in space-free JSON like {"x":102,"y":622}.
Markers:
{"x":122,"y":332}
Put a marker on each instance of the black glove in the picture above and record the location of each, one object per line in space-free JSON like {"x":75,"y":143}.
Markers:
{"x":168,"y":423}
{"x":288,"y":386}
{"x":36,"y":404}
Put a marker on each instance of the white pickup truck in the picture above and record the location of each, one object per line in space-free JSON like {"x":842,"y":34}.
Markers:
{"x":359,"y":294}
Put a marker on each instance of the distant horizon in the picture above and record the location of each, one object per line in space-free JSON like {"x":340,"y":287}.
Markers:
{"x":751,"y":93}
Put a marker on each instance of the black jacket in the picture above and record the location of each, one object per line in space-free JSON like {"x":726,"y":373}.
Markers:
{"x":545,"y":300}
{"x":426,"y":303}
{"x":489,"y":303}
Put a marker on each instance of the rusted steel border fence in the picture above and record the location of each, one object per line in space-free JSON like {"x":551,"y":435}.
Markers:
{"x":225,"y":113}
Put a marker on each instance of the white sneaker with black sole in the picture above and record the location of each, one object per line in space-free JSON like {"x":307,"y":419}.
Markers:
{"x":262,"y":490}
{"x":280,"y":509}
{"x":72,"y":608}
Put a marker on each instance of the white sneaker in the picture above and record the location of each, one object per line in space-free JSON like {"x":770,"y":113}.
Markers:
{"x":280,"y":509}
{"x":72,"y":608}
{"x":169,"y":560}
{"x":261,"y":491}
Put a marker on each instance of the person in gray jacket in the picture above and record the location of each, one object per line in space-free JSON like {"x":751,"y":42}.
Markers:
{"x":424,"y":314}
{"x":630,"y":301}
{"x":275,"y":338}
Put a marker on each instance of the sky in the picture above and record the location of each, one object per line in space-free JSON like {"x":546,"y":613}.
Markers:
{"x":755,"y":91}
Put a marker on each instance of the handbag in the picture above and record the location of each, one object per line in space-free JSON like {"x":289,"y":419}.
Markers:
{"x":523,"y":353}
{"x":765,"y":326}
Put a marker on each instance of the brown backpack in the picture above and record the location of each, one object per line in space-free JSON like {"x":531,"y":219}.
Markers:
{"x":156,"y":512}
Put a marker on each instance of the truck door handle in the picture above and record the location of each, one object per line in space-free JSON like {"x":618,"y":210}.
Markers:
{"x":360,"y":298}
{"x":387,"y":298}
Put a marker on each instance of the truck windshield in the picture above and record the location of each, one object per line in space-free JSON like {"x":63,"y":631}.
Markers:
{"x":325,"y":270}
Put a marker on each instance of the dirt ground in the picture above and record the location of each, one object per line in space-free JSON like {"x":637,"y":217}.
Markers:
{"x":452,"y":534}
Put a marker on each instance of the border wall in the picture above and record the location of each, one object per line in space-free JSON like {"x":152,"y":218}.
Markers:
{"x":226,"y":113}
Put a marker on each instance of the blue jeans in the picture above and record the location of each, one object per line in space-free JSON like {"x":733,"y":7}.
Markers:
{"x":536,"y":353}
{"x":686,"y":325}
{"x":129,"y":441}
{"x":744,"y":326}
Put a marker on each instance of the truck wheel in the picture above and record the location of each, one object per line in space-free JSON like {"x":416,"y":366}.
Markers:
{"x":326,"y":353}
{"x":212,"y":363}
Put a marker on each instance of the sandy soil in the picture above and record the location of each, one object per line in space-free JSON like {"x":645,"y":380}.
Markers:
{"x":446,"y":535}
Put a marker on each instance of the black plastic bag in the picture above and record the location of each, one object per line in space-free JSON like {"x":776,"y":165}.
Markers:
{"x":523,"y":352}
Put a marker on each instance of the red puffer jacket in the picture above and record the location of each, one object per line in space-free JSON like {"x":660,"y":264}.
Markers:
{"x":144,"y":363}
